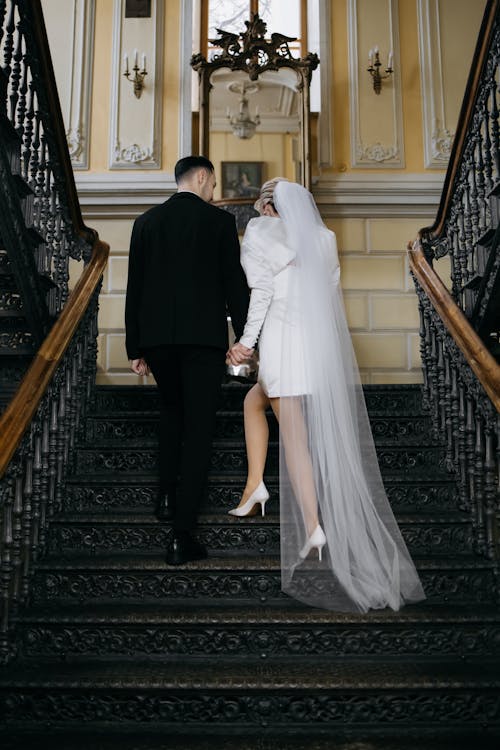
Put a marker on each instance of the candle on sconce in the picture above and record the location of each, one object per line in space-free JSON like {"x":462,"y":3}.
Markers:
{"x":125,"y":60}
{"x":144,"y":61}
{"x":370,"y":57}
{"x":136,"y":58}
{"x":376,"y":50}
{"x":390,"y":59}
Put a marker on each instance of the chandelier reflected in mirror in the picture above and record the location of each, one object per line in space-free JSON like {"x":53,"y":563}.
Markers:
{"x":242,"y":124}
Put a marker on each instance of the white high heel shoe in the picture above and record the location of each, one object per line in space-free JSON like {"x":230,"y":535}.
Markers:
{"x":259,"y":495}
{"x":317,"y":539}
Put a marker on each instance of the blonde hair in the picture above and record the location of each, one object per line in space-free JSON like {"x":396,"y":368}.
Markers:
{"x":266,"y":193}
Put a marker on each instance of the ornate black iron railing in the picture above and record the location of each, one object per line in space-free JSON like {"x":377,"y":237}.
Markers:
{"x":469,"y":212}
{"x":40,"y":219}
{"x":462,"y":392}
{"x":41,"y":229}
{"x":461,"y":375}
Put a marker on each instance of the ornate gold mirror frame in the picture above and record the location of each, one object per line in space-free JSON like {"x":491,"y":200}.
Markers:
{"x":253,"y":54}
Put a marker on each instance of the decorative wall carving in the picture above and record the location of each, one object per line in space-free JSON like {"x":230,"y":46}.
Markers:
{"x":135,"y":135}
{"x":440,"y":88}
{"x":75,"y":91}
{"x":376,"y":121}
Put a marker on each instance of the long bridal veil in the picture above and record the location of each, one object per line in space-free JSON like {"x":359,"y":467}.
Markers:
{"x":328,"y":464}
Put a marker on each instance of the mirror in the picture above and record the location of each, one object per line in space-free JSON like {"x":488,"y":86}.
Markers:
{"x":254,"y":110}
{"x":254,"y":130}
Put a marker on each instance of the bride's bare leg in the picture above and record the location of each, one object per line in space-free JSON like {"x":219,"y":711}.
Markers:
{"x":298,"y":459}
{"x":256,"y":438}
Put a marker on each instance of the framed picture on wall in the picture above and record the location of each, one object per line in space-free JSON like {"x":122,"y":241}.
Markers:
{"x":241,"y":179}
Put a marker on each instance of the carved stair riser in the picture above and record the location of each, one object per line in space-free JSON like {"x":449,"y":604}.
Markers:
{"x":442,"y":586}
{"x":439,"y":538}
{"x":231,"y":459}
{"x":265,"y":640}
{"x":140,"y":738}
{"x":181,"y":711}
{"x":106,"y":430}
{"x":381,"y":400}
{"x":414,"y":497}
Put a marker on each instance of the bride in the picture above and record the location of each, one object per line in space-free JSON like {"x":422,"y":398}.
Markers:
{"x":341,"y":548}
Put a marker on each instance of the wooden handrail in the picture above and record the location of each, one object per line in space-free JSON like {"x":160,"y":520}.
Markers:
{"x":465,"y":117}
{"x":483,"y":364}
{"x":19,"y":413}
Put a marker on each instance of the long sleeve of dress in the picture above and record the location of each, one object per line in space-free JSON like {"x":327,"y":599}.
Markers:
{"x":331,"y":252}
{"x":260,"y":280}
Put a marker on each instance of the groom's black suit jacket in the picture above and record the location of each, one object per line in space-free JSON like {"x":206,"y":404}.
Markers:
{"x":184,"y":273}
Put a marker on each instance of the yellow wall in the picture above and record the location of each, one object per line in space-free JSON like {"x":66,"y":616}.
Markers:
{"x":273,"y":149}
{"x":459,"y":27}
{"x":380,"y":302}
{"x":99,"y":133}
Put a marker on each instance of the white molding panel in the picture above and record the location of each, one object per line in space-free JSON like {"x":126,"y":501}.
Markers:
{"x":326,"y":133}
{"x":368,"y":150}
{"x":185,"y":79}
{"x":443,"y":76}
{"x":135,"y":134}
{"x":438,"y":138}
{"x":76,"y":56}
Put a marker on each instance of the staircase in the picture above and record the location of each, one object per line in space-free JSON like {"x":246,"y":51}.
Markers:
{"x":104,"y":645}
{"x":117,"y":645}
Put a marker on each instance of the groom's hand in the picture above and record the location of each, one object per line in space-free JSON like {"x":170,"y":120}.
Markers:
{"x":238,"y":354}
{"x":139,"y":366}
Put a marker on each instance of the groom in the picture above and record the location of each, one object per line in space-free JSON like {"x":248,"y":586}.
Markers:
{"x":184,"y":270}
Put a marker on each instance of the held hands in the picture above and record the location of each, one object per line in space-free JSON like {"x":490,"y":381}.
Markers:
{"x":139,"y":366}
{"x":238,"y":354}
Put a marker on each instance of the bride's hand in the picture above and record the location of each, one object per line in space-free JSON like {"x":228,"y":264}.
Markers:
{"x":239,"y":353}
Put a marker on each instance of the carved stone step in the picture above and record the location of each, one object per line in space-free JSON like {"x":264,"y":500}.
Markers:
{"x":10,"y":300}
{"x":305,"y":695}
{"x":427,"y":535}
{"x":230,"y":458}
{"x":125,"y":494}
{"x":381,"y":400}
{"x":15,"y":339}
{"x":144,"y":578}
{"x":152,"y":738}
{"x":106,"y":430}
{"x":169,"y":632}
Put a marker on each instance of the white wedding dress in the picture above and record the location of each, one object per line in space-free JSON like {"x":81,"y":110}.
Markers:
{"x":269,"y":265}
{"x":327,"y":454}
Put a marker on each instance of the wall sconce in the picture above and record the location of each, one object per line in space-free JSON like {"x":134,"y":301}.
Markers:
{"x":374,"y":69}
{"x":139,"y":75}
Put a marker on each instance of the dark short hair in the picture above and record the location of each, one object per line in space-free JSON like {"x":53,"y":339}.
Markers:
{"x":189,"y":164}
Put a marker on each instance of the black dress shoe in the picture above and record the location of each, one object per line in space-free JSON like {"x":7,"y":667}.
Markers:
{"x":185,"y":548}
{"x":165,"y":506}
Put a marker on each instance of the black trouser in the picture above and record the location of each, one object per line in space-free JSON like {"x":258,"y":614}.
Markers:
{"x":189,"y":380}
